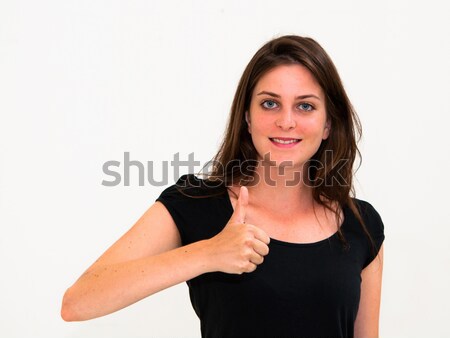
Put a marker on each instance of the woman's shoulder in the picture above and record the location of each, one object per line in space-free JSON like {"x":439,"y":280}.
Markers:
{"x":371,"y":218}
{"x":193,"y":203}
{"x":366,"y":209}
{"x":192,"y":186}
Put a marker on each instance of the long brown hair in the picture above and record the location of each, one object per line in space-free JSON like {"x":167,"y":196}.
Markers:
{"x":237,"y":146}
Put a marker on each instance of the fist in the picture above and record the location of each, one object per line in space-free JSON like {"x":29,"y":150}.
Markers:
{"x":239,"y":247}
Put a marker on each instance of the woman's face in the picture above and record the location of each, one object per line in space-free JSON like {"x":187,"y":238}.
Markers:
{"x":287,"y":116}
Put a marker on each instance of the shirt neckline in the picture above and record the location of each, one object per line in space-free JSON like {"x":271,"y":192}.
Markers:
{"x":294,"y":244}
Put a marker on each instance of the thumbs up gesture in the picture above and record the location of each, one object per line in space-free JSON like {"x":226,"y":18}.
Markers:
{"x":239,"y":247}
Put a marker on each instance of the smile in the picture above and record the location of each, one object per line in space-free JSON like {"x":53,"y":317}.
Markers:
{"x":285,"y":140}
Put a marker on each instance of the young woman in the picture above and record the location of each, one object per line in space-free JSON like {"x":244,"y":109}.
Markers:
{"x":272,"y":243}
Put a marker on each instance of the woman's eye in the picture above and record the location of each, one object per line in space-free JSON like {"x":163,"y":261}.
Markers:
{"x":305,"y":106}
{"x":269,"y":104}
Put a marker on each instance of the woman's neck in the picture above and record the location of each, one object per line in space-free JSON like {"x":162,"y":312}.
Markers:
{"x":281,"y":189}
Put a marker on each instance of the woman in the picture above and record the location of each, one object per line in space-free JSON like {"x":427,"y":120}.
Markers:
{"x":271,"y":243}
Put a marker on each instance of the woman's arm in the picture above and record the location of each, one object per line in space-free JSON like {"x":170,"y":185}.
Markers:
{"x":366,"y":324}
{"x":149,"y":258}
{"x":145,"y":260}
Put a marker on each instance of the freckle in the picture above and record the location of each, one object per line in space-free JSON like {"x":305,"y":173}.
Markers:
{"x":115,"y":270}
{"x":96,"y":275}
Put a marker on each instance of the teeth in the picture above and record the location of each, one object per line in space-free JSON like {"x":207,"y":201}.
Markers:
{"x":284,"y":141}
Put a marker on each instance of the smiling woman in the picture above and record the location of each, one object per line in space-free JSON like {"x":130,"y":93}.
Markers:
{"x":287,"y":117}
{"x":263,"y":254}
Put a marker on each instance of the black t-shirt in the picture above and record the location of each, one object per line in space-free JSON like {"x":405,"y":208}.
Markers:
{"x":300,"y":290}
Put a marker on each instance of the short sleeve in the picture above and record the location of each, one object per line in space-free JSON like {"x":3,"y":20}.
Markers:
{"x":375,"y":227}
{"x":198,"y":211}
{"x":173,"y":199}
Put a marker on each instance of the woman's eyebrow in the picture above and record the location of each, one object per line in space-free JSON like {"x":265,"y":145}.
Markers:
{"x":306,"y":96}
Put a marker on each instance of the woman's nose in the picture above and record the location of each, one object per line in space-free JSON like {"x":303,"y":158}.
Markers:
{"x":286,"y":120}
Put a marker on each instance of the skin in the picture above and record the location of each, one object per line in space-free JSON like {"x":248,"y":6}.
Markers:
{"x":149,"y":257}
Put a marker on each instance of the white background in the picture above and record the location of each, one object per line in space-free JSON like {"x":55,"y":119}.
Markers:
{"x":82,"y":82}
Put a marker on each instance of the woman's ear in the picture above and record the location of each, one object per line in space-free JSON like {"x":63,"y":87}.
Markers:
{"x":247,"y":119}
{"x":326,"y":130}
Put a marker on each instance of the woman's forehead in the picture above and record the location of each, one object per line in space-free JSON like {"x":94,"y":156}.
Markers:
{"x":288,"y":80}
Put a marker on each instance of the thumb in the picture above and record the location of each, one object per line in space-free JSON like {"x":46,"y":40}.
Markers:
{"x":241,"y":204}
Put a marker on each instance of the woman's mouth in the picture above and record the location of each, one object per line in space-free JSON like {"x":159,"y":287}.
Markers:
{"x":284,"y":142}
